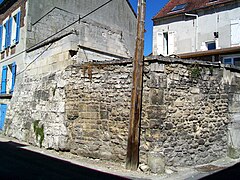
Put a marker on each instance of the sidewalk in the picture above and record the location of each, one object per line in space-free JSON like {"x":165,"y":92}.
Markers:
{"x":189,"y":173}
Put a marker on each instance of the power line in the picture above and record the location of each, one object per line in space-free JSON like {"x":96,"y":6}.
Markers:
{"x":78,"y":20}
{"x":50,"y":12}
{"x":34,"y":59}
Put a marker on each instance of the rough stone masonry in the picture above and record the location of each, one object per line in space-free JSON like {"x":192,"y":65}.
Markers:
{"x":190,"y":111}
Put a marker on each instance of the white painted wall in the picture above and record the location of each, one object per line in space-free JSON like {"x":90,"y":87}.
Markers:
{"x":185,"y":31}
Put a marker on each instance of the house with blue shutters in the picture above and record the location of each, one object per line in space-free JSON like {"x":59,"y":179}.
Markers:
{"x":41,"y":38}
{"x":11,"y":23}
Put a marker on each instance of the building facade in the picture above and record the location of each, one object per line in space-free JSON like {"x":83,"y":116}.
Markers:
{"x":199,"y":27}
{"x":38,"y":38}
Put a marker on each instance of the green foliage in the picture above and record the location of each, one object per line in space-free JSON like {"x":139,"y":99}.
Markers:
{"x":195,"y":71}
{"x":211,"y":70}
{"x":39,"y":132}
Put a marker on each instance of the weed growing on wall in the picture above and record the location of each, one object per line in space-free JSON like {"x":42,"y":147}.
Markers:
{"x":195,"y":71}
{"x":39,"y":132}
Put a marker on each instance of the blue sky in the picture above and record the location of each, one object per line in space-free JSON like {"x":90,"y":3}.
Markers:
{"x":153,"y":6}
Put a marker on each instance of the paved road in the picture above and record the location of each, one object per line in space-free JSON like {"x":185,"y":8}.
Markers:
{"x":231,"y":173}
{"x":18,"y":163}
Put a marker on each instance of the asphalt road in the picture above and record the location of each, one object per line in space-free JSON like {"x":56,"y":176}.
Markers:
{"x":231,"y":173}
{"x":17,"y":163}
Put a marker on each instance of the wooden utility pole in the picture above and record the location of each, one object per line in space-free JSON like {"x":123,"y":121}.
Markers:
{"x":136,"y":100}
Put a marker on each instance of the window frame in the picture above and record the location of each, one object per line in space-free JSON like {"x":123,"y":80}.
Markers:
{"x":14,"y":37}
{"x":8,"y":78}
{"x":166,"y":43}
{"x":10,"y":30}
{"x":179,"y":7}
{"x":4,"y":31}
{"x":232,"y":59}
{"x":210,"y":42}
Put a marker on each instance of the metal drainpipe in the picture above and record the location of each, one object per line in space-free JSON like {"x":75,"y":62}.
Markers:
{"x":196,"y":31}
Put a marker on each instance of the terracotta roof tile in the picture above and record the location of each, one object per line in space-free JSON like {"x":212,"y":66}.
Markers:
{"x":191,"y":5}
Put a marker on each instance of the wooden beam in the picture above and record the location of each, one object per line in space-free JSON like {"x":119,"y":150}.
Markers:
{"x":136,"y":99}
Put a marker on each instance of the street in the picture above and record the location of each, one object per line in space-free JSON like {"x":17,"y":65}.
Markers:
{"x":19,"y":163}
{"x":232,"y":173}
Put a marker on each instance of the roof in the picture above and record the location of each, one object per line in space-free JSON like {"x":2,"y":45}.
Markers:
{"x":174,"y":7}
{"x":222,"y":51}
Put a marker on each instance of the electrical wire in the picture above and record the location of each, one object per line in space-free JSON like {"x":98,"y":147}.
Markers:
{"x":34,"y":59}
{"x":78,"y":20}
{"x":74,"y":22}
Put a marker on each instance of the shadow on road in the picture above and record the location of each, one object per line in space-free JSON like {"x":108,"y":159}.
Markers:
{"x":18,"y":163}
{"x":232,"y":173}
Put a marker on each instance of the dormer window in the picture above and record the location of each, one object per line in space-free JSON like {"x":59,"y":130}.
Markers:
{"x":179,"y":7}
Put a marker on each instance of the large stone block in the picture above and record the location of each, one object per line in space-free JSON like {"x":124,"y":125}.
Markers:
{"x":156,"y":162}
{"x":156,"y":112}
{"x":156,"y":96}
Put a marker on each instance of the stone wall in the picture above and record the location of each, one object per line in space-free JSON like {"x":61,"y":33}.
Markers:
{"x":187,"y":114}
{"x":38,"y":99}
{"x":97,"y":109}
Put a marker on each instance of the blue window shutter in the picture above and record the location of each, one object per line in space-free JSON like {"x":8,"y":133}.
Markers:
{"x":9,"y":31}
{"x":6,"y":35}
{"x":18,"y":19}
{"x":3,"y":110}
{"x":14,"y":68}
{"x":1,"y":30}
{"x":4,"y":80}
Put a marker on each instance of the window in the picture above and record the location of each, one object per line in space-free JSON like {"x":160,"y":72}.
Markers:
{"x":235,"y":32}
{"x":179,"y":7}
{"x":236,"y":61}
{"x":227,"y":61}
{"x":8,"y":78}
{"x":10,"y":31}
{"x":4,"y":34}
{"x":166,"y":43}
{"x":15,"y":28}
{"x":232,"y":60}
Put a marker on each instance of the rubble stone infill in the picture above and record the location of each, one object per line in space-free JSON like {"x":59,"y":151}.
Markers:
{"x":190,"y":109}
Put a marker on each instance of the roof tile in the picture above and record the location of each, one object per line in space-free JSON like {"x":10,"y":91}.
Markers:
{"x":191,"y":5}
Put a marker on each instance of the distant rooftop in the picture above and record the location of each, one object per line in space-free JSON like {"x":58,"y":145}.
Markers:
{"x":182,"y":6}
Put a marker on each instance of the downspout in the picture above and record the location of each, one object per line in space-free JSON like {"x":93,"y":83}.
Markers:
{"x":196,"y":30}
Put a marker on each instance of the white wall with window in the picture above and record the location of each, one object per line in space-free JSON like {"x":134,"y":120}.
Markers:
{"x":216,"y":30}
